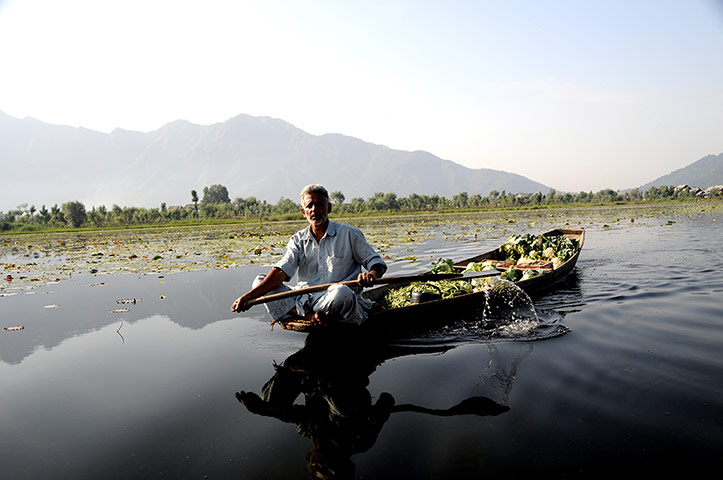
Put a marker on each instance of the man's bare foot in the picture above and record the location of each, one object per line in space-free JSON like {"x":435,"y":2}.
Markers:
{"x":317,"y":318}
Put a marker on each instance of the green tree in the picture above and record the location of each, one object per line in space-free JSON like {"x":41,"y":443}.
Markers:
{"x":215,"y":194}
{"x":56,"y":214}
{"x":252,"y":207}
{"x":44,"y":214}
{"x":460,"y":200}
{"x":390,"y":201}
{"x":209,"y":210}
{"x":337,"y":197}
{"x":74,"y":213}
{"x":116,"y":213}
{"x":416,"y":202}
{"x":357,"y":204}
{"x":286,"y":205}
{"x":194,"y":199}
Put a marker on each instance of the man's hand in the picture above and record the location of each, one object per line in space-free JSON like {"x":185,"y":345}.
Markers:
{"x":366,"y":279}
{"x":273,"y":279}
{"x":240,"y":304}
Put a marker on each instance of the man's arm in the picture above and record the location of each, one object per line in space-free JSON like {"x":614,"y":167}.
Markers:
{"x":272,"y":280}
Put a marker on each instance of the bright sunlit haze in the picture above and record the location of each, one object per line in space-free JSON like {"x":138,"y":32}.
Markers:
{"x":579,"y":96}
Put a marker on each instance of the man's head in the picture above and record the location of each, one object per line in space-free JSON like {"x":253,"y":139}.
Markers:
{"x":315,"y":204}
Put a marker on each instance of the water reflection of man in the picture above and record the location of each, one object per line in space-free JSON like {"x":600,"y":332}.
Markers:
{"x":338,"y":413}
{"x":324,"y":252}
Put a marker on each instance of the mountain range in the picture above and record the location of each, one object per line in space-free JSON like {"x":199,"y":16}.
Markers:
{"x":252,"y":156}
{"x":45,"y":164}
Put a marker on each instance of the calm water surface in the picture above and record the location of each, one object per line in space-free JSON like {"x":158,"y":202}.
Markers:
{"x":635,"y":386}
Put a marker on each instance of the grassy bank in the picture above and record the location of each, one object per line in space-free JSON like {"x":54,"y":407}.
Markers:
{"x":16,"y":228}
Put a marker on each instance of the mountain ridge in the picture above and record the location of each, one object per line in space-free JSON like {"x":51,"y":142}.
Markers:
{"x":263,"y":157}
{"x":703,"y":173}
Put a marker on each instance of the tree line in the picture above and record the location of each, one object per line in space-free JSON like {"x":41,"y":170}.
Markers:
{"x":216,"y":204}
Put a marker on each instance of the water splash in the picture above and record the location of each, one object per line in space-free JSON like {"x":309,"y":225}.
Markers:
{"x":506,"y":304}
{"x":508,"y":314}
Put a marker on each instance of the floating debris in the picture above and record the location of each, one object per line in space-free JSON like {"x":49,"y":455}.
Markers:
{"x":120,"y":310}
{"x":119,"y":333}
{"x":101,"y":284}
{"x":51,"y":306}
{"x":128,"y":300}
{"x":14,"y":328}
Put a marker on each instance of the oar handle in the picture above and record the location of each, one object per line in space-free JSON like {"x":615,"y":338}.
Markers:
{"x":379,"y":281}
{"x":297,"y":292}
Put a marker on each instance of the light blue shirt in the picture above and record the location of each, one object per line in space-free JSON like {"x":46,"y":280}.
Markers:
{"x":338,"y":257}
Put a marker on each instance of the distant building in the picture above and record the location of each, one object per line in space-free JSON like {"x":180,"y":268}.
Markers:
{"x":696,"y":191}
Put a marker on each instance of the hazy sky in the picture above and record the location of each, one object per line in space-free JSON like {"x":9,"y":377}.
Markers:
{"x":578,"y":95}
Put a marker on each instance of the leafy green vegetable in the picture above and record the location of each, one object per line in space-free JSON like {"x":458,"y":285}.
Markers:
{"x":511,"y":274}
{"x":443,"y":265}
{"x":480,"y":266}
{"x":531,"y":272}
{"x":401,"y":297}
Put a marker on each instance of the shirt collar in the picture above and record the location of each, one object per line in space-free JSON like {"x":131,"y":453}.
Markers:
{"x":330,"y":231}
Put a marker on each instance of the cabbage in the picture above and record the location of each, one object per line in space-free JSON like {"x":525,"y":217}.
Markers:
{"x":531,"y":272}
{"x":443,"y":265}
{"x":511,"y":274}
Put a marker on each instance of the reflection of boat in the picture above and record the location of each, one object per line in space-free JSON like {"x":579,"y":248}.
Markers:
{"x":439,"y":312}
{"x":331,"y":374}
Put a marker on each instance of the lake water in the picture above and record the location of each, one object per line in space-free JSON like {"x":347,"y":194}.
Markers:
{"x":92,"y":388}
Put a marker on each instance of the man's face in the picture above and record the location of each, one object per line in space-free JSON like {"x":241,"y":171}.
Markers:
{"x":315,"y":208}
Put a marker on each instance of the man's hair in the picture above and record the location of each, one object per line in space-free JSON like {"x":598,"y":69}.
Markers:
{"x":314,"y":188}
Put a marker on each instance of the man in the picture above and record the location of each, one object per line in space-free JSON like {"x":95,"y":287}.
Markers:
{"x":324,"y":252}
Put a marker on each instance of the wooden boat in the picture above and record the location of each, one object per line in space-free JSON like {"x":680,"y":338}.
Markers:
{"x":434,"y":313}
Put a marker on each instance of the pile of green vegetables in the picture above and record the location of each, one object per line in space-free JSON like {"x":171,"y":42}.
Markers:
{"x":521,"y":249}
{"x":528,"y":248}
{"x":401,"y":297}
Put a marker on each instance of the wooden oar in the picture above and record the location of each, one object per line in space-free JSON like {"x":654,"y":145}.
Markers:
{"x":380,"y":281}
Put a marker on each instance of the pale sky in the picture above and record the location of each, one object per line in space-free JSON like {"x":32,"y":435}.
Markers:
{"x":578,"y":95}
